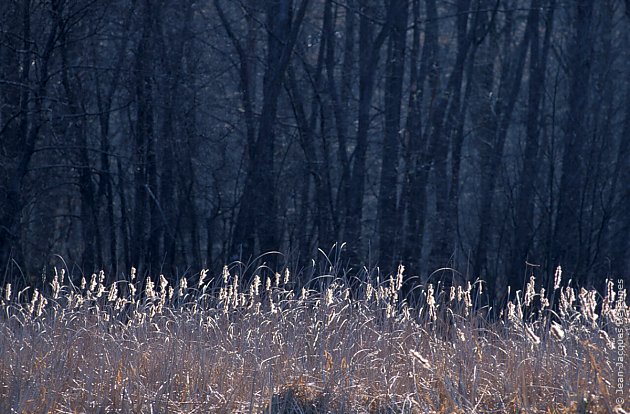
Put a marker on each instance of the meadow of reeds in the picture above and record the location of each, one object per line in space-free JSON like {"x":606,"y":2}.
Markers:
{"x":216,"y":345}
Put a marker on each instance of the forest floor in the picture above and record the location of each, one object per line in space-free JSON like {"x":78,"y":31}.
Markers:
{"x":217,"y":345}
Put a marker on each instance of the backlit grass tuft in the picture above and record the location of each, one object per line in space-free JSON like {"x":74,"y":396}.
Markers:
{"x":215,"y":344}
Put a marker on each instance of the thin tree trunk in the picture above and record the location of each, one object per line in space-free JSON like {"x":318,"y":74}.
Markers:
{"x":388,"y":212}
{"x":92,"y":251}
{"x":447,"y":130}
{"x":10,"y":230}
{"x":144,"y":147}
{"x":340,"y":97}
{"x":307,"y":126}
{"x":125,"y":220}
{"x":493,"y":123}
{"x":257,"y":215}
{"x":528,"y":179}
{"x":369,"y":56}
{"x":568,"y":231}
{"x":457,"y":119}
{"x":29,"y":127}
{"x":104,"y":103}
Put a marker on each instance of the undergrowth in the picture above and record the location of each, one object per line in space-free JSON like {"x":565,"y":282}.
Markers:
{"x":270,"y":346}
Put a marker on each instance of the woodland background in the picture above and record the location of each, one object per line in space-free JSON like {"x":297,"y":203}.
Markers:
{"x":488,"y":136}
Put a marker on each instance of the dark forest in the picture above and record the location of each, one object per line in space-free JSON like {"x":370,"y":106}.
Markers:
{"x":478,"y":138}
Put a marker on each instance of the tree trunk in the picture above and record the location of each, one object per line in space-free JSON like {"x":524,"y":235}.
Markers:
{"x":447,"y":130}
{"x":144,"y":146}
{"x":257,"y":217}
{"x":388,"y":212}
{"x":75,"y":130}
{"x":369,"y":56}
{"x":493,"y":120}
{"x":340,"y":96}
{"x":528,"y":177}
{"x":28,"y":132}
{"x":568,"y":232}
{"x":104,"y":104}
{"x":412,"y":149}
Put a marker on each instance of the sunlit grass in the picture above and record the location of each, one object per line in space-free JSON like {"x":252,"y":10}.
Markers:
{"x":215,"y":344}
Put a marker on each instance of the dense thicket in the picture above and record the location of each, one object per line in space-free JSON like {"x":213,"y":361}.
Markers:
{"x":487,"y":136}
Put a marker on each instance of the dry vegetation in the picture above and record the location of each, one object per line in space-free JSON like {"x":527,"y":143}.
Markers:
{"x":214,"y":345}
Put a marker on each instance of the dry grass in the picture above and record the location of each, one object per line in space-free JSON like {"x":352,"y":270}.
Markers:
{"x":221,"y":347}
